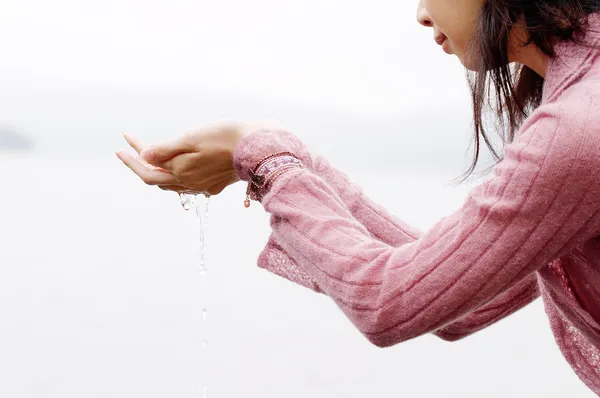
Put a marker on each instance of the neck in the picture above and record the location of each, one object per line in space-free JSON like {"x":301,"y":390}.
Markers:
{"x":535,"y":60}
{"x":530,"y":55}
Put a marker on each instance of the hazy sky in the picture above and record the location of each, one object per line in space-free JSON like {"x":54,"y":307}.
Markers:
{"x":370,"y":57}
{"x":349,"y":77}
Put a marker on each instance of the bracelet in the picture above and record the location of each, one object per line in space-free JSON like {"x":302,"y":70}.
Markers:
{"x":266,"y":158}
{"x":266,"y":171}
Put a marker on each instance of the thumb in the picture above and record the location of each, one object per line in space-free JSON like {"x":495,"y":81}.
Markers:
{"x":163,"y":151}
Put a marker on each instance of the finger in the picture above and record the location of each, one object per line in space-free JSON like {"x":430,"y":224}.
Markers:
{"x":159,"y":153}
{"x":181,"y":189}
{"x":152,"y":167}
{"x":174,"y":188}
{"x":135,"y":143}
{"x":180,"y":162}
{"x":138,"y":146}
{"x":192,"y":162}
{"x":185,"y":163}
{"x":149,"y":176}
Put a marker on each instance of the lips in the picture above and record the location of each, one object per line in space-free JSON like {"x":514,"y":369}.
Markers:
{"x":442,"y":40}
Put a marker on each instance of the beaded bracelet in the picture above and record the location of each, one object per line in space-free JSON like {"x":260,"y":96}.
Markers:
{"x":266,"y":171}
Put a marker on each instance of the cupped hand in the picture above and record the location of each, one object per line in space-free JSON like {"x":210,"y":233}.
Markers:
{"x":197,"y":162}
{"x":148,"y":173}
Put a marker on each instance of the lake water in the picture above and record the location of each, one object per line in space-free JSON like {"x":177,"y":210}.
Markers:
{"x":99,"y":298}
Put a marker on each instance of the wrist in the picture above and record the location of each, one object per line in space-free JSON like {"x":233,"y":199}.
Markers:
{"x":257,"y":144}
{"x":266,"y":171}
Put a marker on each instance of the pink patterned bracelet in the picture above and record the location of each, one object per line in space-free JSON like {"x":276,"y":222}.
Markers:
{"x":266,"y":171}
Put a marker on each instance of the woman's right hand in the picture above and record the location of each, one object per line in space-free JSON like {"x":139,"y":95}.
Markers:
{"x":151,"y":175}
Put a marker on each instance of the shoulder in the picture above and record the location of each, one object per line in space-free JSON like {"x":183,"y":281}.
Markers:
{"x":576,"y":107}
{"x":570,"y":123}
{"x":581,"y":101}
{"x":554,"y":158}
{"x":559,"y":141}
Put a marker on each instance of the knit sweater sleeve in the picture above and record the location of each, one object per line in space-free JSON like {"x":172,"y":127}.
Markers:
{"x":376,"y":219}
{"x":503,"y":305}
{"x":540,"y":204}
{"x":389,"y":229}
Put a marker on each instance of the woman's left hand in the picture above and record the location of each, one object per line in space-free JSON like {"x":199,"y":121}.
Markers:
{"x":199,"y":162}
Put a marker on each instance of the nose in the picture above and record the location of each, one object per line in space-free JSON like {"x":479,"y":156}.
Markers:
{"x":423,"y":16}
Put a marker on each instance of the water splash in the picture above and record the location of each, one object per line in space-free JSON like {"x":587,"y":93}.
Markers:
{"x":187,"y":200}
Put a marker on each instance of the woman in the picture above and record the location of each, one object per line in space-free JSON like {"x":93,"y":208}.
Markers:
{"x":533,"y":229}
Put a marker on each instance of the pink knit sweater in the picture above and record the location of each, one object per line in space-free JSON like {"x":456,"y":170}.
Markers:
{"x":534,"y":228}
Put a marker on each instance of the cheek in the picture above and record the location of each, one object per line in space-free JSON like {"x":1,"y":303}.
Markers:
{"x":456,"y":19}
{"x":466,"y":57}
{"x":459,"y":33}
{"x":463,"y":47}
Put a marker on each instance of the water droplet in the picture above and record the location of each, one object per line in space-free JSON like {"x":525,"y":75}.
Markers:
{"x":204,"y":313}
{"x":187,"y":201}
{"x":204,"y":343}
{"x":206,"y":210}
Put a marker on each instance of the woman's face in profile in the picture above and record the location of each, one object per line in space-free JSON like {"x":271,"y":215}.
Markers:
{"x":453,"y":23}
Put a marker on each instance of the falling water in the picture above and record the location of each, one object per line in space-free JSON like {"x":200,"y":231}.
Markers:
{"x":187,"y":201}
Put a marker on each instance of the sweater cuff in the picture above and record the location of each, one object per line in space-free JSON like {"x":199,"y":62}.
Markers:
{"x":264,"y":142}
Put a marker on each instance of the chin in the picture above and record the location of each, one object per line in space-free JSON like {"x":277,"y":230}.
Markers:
{"x":469,"y":58}
{"x":468,"y":62}
{"x":469,"y":66}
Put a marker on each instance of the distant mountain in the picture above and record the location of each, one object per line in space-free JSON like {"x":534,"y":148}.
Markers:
{"x":10,"y":139}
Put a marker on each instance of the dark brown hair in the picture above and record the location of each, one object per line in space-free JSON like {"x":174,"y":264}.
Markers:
{"x":518,"y":90}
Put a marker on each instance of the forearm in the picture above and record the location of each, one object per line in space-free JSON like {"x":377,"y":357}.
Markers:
{"x":394,"y":294}
{"x":377,"y":220}
{"x":499,"y":308}
{"x":383,"y":225}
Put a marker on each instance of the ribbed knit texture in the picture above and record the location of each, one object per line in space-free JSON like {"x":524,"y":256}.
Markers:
{"x":531,"y":229}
